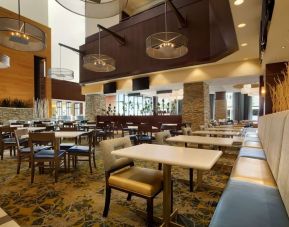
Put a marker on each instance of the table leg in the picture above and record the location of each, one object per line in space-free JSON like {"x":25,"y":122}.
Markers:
{"x":191,"y":179}
{"x":167,"y":195}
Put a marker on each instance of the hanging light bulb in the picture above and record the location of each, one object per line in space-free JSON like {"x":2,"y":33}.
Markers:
{"x":166,"y":45}
{"x":4,"y":61}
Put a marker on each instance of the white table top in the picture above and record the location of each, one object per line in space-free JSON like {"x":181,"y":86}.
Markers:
{"x":217,"y":133}
{"x":33,"y":129}
{"x":72,"y":134}
{"x":180,"y":156}
{"x":169,"y":124}
{"x":135,"y":127}
{"x":224,"y":129}
{"x":224,"y":142}
{"x":11,"y":223}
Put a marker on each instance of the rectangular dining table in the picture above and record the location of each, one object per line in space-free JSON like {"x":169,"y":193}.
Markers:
{"x":171,"y":156}
{"x":224,"y":129}
{"x":69,"y":134}
{"x":217,"y":133}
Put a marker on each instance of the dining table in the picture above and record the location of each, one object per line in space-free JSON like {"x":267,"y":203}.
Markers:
{"x":6,"y":221}
{"x":169,"y":156}
{"x":224,"y":129}
{"x":217,"y":133}
{"x":69,"y":134}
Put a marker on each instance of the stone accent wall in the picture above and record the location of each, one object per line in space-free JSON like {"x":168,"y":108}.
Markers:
{"x":94,"y":105}
{"x":220,"y":106}
{"x":196,"y":104}
{"x":20,"y":114}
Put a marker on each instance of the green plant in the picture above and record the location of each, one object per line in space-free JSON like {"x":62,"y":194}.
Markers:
{"x":15,"y":103}
{"x":6,"y":102}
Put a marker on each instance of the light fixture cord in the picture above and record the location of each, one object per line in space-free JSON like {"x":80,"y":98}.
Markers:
{"x":166,"y":24}
{"x":60,"y":57}
{"x":98,"y":43}
{"x":19,"y":27}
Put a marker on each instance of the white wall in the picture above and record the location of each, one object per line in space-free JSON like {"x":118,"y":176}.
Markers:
{"x":33,"y":9}
{"x":91,"y":24}
{"x":67,"y":28}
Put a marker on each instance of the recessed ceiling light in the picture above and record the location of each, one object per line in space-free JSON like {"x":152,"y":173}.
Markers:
{"x":245,"y":59}
{"x":242,"y":25}
{"x":283,"y":47}
{"x":238,"y":2}
{"x":244,"y":44}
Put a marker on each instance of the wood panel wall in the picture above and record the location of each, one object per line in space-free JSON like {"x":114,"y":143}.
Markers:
{"x":66,"y":90}
{"x":18,"y":80}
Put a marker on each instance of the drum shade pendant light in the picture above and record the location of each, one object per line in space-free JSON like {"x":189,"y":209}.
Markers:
{"x":166,"y":45}
{"x":4,"y":61}
{"x":20,"y":35}
{"x":94,"y":8}
{"x":61,"y":73}
{"x":98,"y":62}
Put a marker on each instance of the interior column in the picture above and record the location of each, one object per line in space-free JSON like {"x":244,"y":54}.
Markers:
{"x":196,"y":104}
{"x":220,"y":105}
{"x":94,"y":105}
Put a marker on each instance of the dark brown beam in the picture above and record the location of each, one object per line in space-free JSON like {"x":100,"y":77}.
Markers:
{"x":181,"y":19}
{"x":71,"y":48}
{"x":118,"y":38}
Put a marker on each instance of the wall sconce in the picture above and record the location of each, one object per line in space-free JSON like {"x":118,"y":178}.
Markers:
{"x":4,"y":61}
{"x":263,"y":91}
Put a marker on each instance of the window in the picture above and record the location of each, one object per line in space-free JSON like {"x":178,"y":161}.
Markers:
{"x":58,"y":108}
{"x":68,"y":109}
{"x":229,"y":98}
{"x":255,"y":108}
{"x":77,"y":109}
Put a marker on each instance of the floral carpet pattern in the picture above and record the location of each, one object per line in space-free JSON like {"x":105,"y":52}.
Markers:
{"x":78,"y":197}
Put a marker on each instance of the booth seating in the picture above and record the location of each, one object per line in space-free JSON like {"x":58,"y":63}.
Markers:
{"x":257,"y":193}
{"x":6,"y":221}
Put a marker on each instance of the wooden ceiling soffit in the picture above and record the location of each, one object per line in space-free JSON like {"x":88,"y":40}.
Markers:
{"x":210,"y":30}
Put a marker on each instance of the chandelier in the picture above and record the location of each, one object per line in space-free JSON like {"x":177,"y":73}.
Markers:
{"x":4,"y":61}
{"x":20,"y":35}
{"x":166,"y":45}
{"x":60,"y":73}
{"x":94,"y":8}
{"x":99,"y":62}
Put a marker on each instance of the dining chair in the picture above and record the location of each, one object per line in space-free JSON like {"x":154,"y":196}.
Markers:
{"x":187,"y":131}
{"x":161,"y":140}
{"x":122,"y":175}
{"x":23,"y":150}
{"x":83,"y":151}
{"x":67,"y":145}
{"x":145,"y":133}
{"x":54,"y":156}
{"x":7,"y":140}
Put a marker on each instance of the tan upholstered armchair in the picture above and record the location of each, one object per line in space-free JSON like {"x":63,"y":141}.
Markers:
{"x":122,"y":175}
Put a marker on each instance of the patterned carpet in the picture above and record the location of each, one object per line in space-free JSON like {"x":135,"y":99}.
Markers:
{"x":78,"y":198}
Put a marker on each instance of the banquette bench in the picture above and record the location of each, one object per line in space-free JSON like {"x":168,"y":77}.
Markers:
{"x":257,"y":193}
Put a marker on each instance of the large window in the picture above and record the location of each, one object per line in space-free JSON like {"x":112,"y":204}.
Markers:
{"x":77,"y":109}
{"x":59,"y":108}
{"x":255,"y":108}
{"x":229,"y":98}
{"x":68,"y":109}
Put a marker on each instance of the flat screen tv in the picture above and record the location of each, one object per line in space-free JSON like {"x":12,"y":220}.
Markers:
{"x":109,"y":88}
{"x":140,"y":84}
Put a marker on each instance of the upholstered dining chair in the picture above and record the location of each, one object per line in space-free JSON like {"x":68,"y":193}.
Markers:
{"x":122,"y":175}
{"x":7,"y":140}
{"x":145,"y":133}
{"x":23,"y":151}
{"x":54,"y":156}
{"x":83,"y":151}
{"x":187,"y":131}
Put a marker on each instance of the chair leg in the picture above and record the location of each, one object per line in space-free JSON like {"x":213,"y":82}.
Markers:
{"x":32,"y":171}
{"x":18,"y":164}
{"x":128,"y":197}
{"x":150,"y":212}
{"x":107,"y":201}
{"x":68,"y":164}
{"x":90,"y":166}
{"x":160,"y":166}
{"x":65,"y":163}
{"x":56,"y":167}
{"x":93,"y":156}
{"x":191,"y":180}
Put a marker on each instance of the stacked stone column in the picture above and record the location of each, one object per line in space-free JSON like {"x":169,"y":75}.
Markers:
{"x":221,"y":105}
{"x":94,"y":105}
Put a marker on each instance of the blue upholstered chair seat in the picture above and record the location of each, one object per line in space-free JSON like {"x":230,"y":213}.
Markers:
{"x":36,"y":148}
{"x":66,"y":146}
{"x":9,"y":140}
{"x":47,"y":154}
{"x":78,"y":149}
{"x":252,"y":153}
{"x":251,"y":205}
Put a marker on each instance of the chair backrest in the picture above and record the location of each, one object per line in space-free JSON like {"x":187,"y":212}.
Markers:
{"x":44,"y":138}
{"x":19,"y":134}
{"x":145,"y":129}
{"x":273,"y":151}
{"x":162,"y":136}
{"x":283,"y":172}
{"x":110,"y":161}
{"x":187,"y":131}
{"x":68,"y":129}
{"x":266,"y":137}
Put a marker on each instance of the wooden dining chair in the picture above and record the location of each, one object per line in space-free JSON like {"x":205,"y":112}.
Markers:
{"x":122,"y":175}
{"x":67,"y":145}
{"x":7,"y":140}
{"x":23,"y":150}
{"x":83,"y":151}
{"x":145,"y":133}
{"x":54,"y":156}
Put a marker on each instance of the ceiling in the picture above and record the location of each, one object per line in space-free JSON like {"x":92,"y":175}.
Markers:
{"x":137,"y":6}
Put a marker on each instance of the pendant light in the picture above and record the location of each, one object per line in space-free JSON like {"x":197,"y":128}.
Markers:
{"x":99,"y":62}
{"x":94,"y":8}
{"x":21,"y":35}
{"x":166,"y":45}
{"x":61,"y":73}
{"x":4,"y":61}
